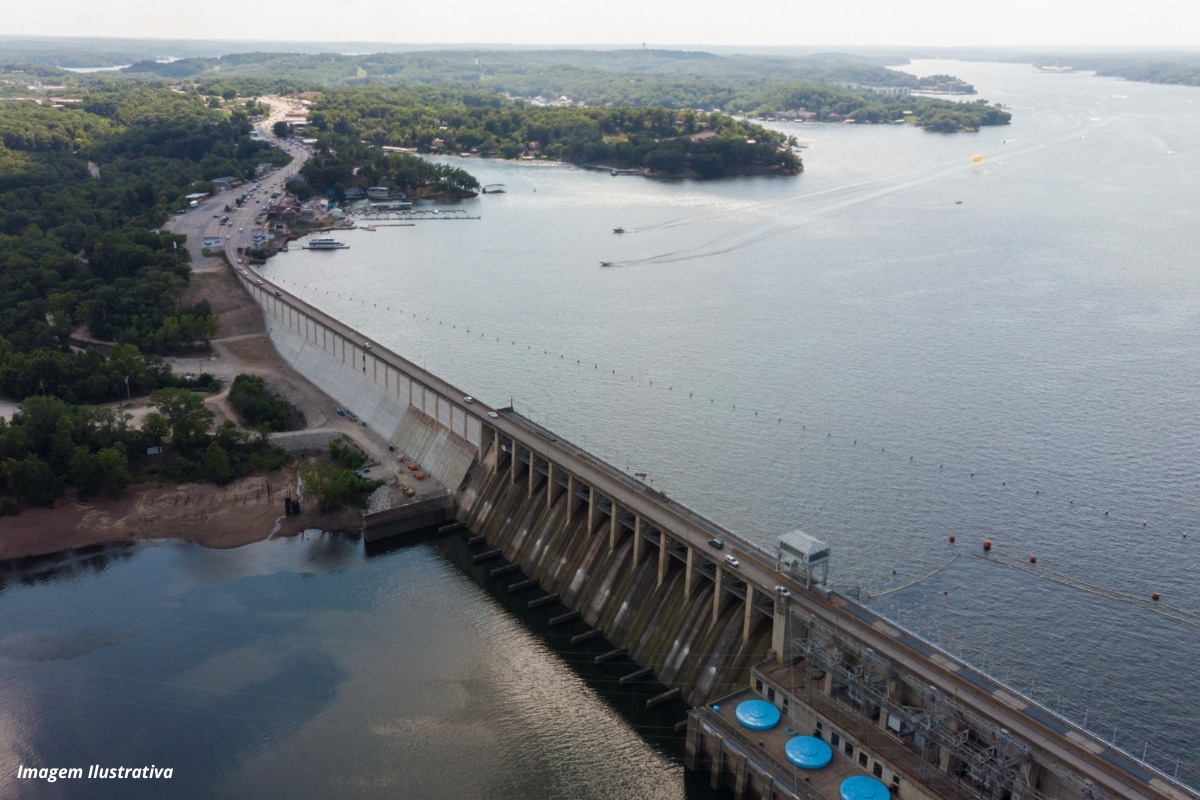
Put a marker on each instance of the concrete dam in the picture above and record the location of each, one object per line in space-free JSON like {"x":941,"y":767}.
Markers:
{"x":611,"y":568}
{"x":709,"y":614}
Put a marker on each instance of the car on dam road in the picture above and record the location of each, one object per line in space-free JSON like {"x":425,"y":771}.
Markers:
{"x":783,"y":591}
{"x":731,"y":561}
{"x":716,"y":544}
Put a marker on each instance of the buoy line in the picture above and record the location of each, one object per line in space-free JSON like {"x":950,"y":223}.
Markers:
{"x":910,"y":584}
{"x":1107,"y":591}
{"x":1190,"y":617}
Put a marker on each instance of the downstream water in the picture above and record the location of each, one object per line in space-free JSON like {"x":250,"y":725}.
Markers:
{"x":301,"y":668}
{"x":895,"y":347}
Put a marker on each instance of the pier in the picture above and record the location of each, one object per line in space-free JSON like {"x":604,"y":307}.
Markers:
{"x":637,"y":567}
{"x":418,"y":215}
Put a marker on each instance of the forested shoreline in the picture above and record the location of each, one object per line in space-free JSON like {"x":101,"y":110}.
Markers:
{"x":356,"y":123}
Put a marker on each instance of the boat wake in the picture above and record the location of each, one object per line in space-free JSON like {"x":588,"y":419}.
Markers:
{"x":779,"y":218}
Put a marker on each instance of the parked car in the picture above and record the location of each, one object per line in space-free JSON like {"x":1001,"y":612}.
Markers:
{"x":468,"y":399}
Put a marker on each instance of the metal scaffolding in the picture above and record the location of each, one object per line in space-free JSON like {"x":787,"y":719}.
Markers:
{"x":984,"y":760}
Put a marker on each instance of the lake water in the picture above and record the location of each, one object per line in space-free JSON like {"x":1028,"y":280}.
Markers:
{"x":895,"y":347}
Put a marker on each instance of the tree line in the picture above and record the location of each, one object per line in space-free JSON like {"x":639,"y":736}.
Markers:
{"x":739,"y":84}
{"x":351,"y":121}
{"x":51,"y":445}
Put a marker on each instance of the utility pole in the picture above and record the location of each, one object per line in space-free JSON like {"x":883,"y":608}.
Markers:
{"x":127,"y":395}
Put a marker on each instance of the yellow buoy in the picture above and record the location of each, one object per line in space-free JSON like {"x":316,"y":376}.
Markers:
{"x":977,"y":160}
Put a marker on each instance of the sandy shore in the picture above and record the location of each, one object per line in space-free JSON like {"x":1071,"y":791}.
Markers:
{"x":244,"y":511}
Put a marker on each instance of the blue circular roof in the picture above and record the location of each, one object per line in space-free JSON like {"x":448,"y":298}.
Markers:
{"x":808,"y":752}
{"x":757,"y":715}
{"x":860,"y":787}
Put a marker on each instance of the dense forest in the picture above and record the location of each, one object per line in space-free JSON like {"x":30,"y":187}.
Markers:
{"x":356,"y":122}
{"x":857,"y":88}
{"x":83,"y":190}
{"x":832,"y":103}
{"x":345,"y":159}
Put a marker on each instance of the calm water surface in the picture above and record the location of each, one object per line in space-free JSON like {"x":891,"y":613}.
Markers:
{"x":300,"y":668}
{"x":892,"y":348}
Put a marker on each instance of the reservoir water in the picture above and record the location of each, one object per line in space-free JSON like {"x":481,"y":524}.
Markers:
{"x":897,"y":346}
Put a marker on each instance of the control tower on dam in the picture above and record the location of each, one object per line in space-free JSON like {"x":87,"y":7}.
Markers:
{"x":715,"y":618}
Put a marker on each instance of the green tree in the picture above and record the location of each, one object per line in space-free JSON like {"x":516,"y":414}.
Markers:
{"x":331,"y":487}
{"x":85,"y":473}
{"x":216,"y":463}
{"x":155,"y":429}
{"x":114,"y":470}
{"x":31,"y":481}
{"x":187,"y":416}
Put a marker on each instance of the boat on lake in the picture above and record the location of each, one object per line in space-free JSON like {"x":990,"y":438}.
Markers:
{"x":618,"y":230}
{"x":324,"y":244}
{"x":606,"y":263}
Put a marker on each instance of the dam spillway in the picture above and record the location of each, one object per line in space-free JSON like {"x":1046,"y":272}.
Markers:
{"x":711,"y":622}
{"x":610,"y":570}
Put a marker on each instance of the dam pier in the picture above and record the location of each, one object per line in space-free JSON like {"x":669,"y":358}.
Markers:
{"x":712,"y":616}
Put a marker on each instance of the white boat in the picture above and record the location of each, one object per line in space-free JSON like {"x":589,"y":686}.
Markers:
{"x":324,"y":244}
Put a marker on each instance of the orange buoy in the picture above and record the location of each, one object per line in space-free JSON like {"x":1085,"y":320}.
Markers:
{"x":1033,"y":559}
{"x":412,"y":465}
{"x":419,"y":476}
{"x":1154,"y":597}
{"x":952,"y":537}
{"x":987,"y":544}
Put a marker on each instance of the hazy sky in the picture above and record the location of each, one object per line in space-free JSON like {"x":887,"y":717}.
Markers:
{"x":627,"y":22}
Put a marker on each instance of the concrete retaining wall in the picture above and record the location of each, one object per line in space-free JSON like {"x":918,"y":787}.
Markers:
{"x":432,"y":427}
{"x":304,"y":441}
{"x":408,"y":517}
